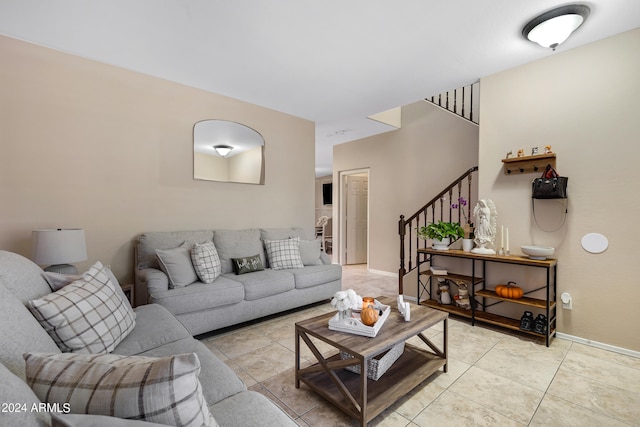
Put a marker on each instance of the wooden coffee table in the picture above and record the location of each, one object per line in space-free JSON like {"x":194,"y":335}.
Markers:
{"x":355,"y":394}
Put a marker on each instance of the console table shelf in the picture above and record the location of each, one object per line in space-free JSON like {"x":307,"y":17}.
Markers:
{"x":478,"y":311}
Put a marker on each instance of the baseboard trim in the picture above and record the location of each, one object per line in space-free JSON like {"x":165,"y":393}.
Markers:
{"x":600,"y":345}
{"x":383,"y":273}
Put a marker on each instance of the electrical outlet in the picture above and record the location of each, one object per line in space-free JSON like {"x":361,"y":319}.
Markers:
{"x":567,"y":301}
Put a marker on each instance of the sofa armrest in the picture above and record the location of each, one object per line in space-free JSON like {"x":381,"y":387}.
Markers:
{"x":155,"y":280}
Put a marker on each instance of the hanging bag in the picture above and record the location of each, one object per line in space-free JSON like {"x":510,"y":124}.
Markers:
{"x":550,"y":185}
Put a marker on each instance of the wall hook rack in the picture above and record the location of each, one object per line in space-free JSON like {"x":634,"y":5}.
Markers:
{"x":528,"y":164}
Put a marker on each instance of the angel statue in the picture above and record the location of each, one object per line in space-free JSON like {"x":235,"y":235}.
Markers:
{"x":486,"y":218}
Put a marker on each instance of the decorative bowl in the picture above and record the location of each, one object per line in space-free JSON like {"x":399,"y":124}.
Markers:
{"x":537,"y":252}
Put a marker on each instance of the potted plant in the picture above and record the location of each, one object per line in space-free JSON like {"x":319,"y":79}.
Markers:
{"x":441,"y":233}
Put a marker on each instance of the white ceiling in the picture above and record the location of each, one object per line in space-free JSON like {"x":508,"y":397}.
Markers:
{"x":334,"y":62}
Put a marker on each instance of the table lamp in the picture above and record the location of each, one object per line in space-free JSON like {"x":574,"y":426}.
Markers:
{"x":59,"y":247}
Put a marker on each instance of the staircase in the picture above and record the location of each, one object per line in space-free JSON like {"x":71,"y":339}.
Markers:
{"x":438,"y":209}
{"x":463,"y":102}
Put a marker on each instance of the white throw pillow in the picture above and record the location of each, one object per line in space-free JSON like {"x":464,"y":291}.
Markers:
{"x":86,"y":316}
{"x":284,"y":253}
{"x":176,"y":264}
{"x":163,"y":390}
{"x":206,"y":261}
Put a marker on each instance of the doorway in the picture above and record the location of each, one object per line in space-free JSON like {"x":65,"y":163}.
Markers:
{"x":354,"y":217}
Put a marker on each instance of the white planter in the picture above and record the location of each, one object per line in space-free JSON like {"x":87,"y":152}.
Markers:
{"x":467,"y":245}
{"x":441,"y":245}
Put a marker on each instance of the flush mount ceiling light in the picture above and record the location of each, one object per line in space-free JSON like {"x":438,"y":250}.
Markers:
{"x":223,"y":150}
{"x":553,"y":27}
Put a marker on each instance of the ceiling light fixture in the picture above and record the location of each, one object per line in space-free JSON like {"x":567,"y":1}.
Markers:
{"x":223,"y":150}
{"x":554,"y":27}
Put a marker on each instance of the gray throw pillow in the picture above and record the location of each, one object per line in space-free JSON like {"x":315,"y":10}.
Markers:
{"x":176,"y":264}
{"x":310,"y":252}
{"x":247,"y":264}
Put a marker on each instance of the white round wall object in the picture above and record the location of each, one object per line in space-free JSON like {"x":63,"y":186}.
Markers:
{"x":595,"y":243}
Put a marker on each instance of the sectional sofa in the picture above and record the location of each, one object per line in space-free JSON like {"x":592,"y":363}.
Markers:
{"x":129,"y":351}
{"x":278,"y":269}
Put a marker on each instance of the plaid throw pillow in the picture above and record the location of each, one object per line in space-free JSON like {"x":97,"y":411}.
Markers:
{"x":162,"y":390}
{"x":284,"y":253}
{"x":206,"y":261}
{"x":86,"y":316}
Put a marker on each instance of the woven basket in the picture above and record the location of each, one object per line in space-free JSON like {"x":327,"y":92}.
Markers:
{"x":378,"y":365}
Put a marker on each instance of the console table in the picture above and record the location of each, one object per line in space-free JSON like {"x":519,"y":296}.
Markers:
{"x":478,"y":288}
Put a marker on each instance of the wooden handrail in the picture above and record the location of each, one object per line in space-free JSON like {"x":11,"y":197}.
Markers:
{"x":406,"y":225}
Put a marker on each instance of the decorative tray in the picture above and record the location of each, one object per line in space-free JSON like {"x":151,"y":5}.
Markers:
{"x":354,"y":325}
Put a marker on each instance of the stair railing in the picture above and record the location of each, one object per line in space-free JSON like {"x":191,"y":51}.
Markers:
{"x":435,"y":210}
{"x":462,"y":102}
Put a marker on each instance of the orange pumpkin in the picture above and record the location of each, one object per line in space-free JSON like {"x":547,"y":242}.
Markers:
{"x":369,"y":315}
{"x":509,"y":291}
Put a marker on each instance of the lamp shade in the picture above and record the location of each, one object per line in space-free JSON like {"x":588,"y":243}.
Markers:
{"x":58,"y":246}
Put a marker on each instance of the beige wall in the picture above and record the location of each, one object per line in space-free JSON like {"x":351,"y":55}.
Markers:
{"x":585,"y":103}
{"x":407,"y":167}
{"x":94,"y":146}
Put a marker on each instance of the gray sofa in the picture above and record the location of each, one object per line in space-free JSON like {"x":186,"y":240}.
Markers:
{"x":157,"y":333}
{"x":231,"y":298}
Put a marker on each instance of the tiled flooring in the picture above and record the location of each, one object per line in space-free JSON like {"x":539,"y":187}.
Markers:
{"x":494,"y":379}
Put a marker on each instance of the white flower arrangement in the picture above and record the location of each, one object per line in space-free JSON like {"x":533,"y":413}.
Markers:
{"x":345,"y":300}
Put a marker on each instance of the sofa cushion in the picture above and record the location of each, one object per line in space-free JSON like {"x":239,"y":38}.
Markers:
{"x":20,"y":332}
{"x":155,"y":327}
{"x":264,"y":283}
{"x":22,"y":277}
{"x":164,"y":390}
{"x":149,"y":242}
{"x":206,"y":261}
{"x":263,"y":412}
{"x":200,"y":296}
{"x":310,"y":251}
{"x":87,"y":316}
{"x":218,"y":380}
{"x":314,"y":275}
{"x":284,"y":253}
{"x":14,"y":391}
{"x":281,"y":233}
{"x":237,"y":244}
{"x":177,"y":265}
{"x":246,"y":265}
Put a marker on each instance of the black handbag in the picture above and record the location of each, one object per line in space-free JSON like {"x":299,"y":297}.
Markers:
{"x":550,"y":185}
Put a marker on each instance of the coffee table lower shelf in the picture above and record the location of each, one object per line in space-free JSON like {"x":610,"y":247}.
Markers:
{"x":412,"y":368}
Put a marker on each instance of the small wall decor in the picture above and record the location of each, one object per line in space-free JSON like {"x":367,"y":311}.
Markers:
{"x":528,"y":164}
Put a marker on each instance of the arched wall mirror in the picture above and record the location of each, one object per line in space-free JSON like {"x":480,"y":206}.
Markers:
{"x":228,"y":152}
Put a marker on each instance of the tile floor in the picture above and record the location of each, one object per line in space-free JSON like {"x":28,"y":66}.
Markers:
{"x":494,"y":379}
